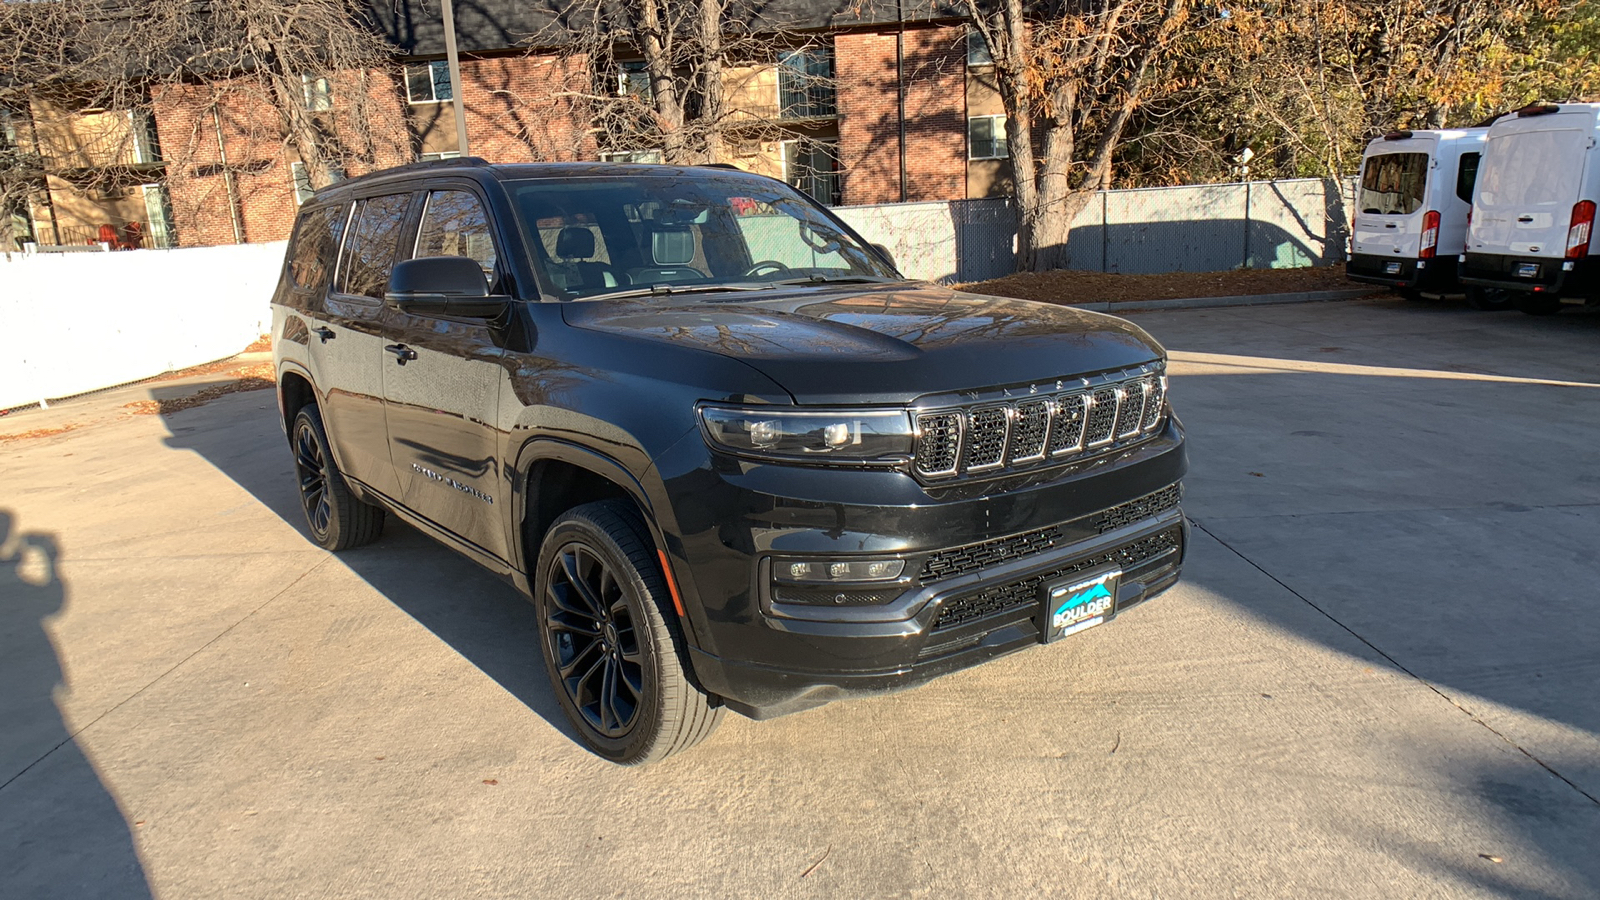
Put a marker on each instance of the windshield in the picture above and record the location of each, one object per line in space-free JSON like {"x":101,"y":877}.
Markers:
{"x":1393,"y":183}
{"x":643,"y":233}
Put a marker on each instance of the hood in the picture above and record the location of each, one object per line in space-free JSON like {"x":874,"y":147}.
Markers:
{"x":883,"y":343}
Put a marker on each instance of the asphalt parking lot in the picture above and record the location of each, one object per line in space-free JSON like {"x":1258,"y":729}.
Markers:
{"x":1378,"y":678}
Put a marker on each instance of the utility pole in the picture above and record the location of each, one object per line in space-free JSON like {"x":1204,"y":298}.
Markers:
{"x":899,"y":86}
{"x":454,"y":61}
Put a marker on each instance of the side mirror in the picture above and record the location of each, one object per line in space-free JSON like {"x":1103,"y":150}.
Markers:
{"x":887,"y":256}
{"x":442,"y":286}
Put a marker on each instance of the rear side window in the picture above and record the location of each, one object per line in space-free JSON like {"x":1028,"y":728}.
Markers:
{"x":455,"y":224}
{"x":1467,"y":175}
{"x":370,"y":251}
{"x":1393,"y":183}
{"x":316,"y":242}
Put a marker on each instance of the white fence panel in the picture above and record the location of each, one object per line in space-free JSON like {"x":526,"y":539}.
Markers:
{"x":77,"y":322}
{"x":921,"y":236}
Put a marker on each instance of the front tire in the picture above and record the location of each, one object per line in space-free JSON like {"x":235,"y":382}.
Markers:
{"x":338,"y":520}
{"x":612,"y":644}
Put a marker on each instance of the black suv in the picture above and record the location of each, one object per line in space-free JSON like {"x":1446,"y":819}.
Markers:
{"x":735,"y":459}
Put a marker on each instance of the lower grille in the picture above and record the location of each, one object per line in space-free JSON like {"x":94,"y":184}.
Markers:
{"x":1004,"y":597}
{"x":972,"y":557}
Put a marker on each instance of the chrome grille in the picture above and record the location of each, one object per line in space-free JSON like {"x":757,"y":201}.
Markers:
{"x":991,"y":436}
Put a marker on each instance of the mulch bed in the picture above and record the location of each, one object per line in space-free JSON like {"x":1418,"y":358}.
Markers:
{"x":1093,"y":287}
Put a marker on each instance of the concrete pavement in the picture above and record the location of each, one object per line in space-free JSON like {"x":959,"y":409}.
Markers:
{"x":1377,"y":679}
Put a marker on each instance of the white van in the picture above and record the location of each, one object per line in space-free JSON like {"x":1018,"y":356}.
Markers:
{"x":1412,"y":203}
{"x":1534,"y":206}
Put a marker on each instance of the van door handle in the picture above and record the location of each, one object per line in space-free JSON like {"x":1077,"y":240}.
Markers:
{"x":1524,"y":218}
{"x":327,"y":334}
{"x":401,"y":352}
{"x":1390,"y":225}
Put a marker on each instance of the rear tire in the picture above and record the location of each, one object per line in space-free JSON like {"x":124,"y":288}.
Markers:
{"x":338,"y":520}
{"x":1539,"y":305}
{"x":611,"y":640}
{"x":1489,"y":299}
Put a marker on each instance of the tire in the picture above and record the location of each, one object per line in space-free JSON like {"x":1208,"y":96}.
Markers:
{"x":1539,"y":305}
{"x":1489,"y":299}
{"x":611,"y":641}
{"x":338,"y":520}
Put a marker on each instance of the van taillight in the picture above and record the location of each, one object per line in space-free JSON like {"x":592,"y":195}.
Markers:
{"x":1430,"y":234}
{"x":1578,"y":231}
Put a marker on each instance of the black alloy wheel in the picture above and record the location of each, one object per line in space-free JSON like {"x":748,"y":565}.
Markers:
{"x":338,"y":520}
{"x":595,"y":643}
{"x":612,"y":643}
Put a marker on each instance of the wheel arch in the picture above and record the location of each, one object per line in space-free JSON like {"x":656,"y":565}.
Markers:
{"x":553,"y":476}
{"x":295,"y":392}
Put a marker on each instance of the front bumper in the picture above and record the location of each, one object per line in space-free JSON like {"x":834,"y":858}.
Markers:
{"x":767,"y":659}
{"x":1554,"y":277}
{"x":1434,"y":275}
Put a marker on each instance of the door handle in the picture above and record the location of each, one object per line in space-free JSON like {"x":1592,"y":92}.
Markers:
{"x":1390,"y":225}
{"x":401,"y":352}
{"x":327,"y":334}
{"x":1526,"y":219}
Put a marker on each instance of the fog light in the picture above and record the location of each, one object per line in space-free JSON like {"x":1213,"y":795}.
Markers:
{"x":824,"y":572}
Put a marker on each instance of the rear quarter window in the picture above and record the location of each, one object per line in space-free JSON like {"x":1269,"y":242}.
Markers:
{"x":1393,"y":183}
{"x":369,"y":254}
{"x":316,"y":243}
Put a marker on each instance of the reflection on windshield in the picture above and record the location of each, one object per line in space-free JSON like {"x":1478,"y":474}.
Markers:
{"x":641,"y":234}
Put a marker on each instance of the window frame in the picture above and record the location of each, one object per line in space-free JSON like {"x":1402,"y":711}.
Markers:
{"x":819,"y":92}
{"x":300,"y":181}
{"x":316,"y":92}
{"x":979,"y":53}
{"x":792,"y":145}
{"x":611,"y":156}
{"x":1461,"y":171}
{"x":997,"y":138}
{"x":421,"y":214}
{"x":435,"y":68}
{"x":407,"y":228}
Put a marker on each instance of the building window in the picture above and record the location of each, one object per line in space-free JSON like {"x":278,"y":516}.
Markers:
{"x":812,"y":168}
{"x":317,"y":92}
{"x":442,"y":154}
{"x":986,"y":138}
{"x":978,"y":49}
{"x":301,"y":178}
{"x":634,"y":81}
{"x":652,"y":157}
{"x":429,"y":82}
{"x":805,"y":83}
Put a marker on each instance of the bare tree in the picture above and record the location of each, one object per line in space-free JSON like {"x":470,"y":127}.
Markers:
{"x":1070,"y":74}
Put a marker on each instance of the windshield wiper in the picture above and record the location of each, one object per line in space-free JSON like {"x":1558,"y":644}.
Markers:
{"x":663,"y":290}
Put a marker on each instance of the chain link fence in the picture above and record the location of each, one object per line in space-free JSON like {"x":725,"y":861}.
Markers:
{"x":1196,"y":228}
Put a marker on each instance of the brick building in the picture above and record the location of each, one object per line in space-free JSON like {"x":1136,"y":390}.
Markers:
{"x":225,"y":173}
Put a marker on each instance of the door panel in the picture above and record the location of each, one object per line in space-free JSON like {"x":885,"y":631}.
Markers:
{"x":441,"y":384}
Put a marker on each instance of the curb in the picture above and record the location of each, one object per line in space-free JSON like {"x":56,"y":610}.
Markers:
{"x":1243,"y":300}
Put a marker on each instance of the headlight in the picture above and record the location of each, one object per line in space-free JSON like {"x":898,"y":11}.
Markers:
{"x":843,"y":436}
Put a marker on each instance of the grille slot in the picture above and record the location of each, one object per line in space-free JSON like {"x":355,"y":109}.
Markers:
{"x":1029,"y":431}
{"x":1066,"y":427}
{"x":994,"y":435}
{"x":1143,"y":508}
{"x":986,"y":446}
{"x":1025,"y":592}
{"x":1101,"y":425}
{"x":939,"y":444}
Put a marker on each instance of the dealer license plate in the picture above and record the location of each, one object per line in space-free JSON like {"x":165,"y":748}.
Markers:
{"x":1392,"y":268}
{"x":1072,"y":606}
{"x":1527,"y":270}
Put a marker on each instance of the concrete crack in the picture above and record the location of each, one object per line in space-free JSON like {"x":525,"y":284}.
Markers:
{"x":1397,"y":664}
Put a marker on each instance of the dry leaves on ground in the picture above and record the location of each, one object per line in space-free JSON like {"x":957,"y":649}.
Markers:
{"x":1094,"y":287}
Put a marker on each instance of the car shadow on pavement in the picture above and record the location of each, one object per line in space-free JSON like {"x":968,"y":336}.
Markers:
{"x":481,"y":617}
{"x":62,"y":833}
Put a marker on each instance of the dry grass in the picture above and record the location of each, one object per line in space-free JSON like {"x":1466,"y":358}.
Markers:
{"x":258,"y":377}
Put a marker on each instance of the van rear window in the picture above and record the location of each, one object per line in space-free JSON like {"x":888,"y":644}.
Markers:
{"x":1467,"y":175}
{"x":1393,"y":183}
